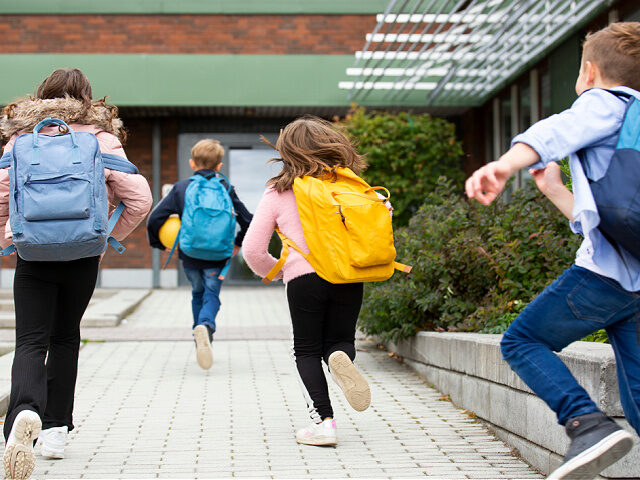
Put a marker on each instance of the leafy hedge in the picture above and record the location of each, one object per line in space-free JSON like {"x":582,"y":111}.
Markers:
{"x":474,"y":267}
{"x":406,"y":153}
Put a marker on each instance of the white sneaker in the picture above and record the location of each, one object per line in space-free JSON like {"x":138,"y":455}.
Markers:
{"x":204,"y":354}
{"x":318,"y":433}
{"x":353,"y":384}
{"x":19,"y":459}
{"x":52,"y":442}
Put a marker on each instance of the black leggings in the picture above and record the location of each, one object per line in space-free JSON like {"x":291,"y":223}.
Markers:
{"x":50,"y":299}
{"x":324,"y":319}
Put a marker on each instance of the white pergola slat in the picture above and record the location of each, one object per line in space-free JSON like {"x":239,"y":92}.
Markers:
{"x":459,"y":51}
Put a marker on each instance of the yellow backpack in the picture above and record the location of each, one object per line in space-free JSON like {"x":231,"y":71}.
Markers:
{"x":347,"y":228}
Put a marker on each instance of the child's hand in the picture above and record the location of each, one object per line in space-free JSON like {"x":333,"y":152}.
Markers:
{"x":548,"y":179}
{"x":487,"y":182}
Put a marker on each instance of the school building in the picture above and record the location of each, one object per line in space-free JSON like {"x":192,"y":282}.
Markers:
{"x":234,"y":70}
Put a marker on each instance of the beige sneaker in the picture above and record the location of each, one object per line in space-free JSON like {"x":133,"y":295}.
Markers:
{"x":346,"y":375}
{"x":19,"y":459}
{"x":204,"y":354}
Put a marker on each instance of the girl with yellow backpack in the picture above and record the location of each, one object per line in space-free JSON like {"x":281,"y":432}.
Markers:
{"x":336,"y":233}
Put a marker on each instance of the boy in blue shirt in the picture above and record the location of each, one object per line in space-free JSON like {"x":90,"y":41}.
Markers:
{"x":206,"y":160}
{"x":602,"y":289}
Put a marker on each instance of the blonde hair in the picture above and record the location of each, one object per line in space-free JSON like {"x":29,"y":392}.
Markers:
{"x":312,"y":146}
{"x":616,"y":51}
{"x":207,"y":153}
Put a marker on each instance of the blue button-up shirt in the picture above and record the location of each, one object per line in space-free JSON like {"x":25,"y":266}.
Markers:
{"x":591,"y":125}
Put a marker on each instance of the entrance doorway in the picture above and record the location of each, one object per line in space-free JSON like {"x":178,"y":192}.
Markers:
{"x":245,"y":164}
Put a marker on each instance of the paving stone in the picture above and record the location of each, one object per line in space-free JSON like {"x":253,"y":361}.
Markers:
{"x":144,"y":409}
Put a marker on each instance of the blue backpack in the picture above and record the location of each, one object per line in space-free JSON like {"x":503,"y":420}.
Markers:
{"x":208,"y":219}
{"x":58,"y":205}
{"x":617,"y":193}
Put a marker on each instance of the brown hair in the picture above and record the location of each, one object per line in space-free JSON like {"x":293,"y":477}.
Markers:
{"x":312,"y":146}
{"x":207,"y":153}
{"x":66,"y":82}
{"x":616,"y":51}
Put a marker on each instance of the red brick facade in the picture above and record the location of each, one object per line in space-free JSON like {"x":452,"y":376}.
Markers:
{"x":185,"y":34}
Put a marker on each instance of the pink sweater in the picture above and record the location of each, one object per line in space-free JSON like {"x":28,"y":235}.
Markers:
{"x":133,"y":190}
{"x":276,"y":210}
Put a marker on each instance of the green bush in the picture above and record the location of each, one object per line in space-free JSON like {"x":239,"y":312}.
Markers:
{"x":406,"y":153}
{"x":474,"y":267}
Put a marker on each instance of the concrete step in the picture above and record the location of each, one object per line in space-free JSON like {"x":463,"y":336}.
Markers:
{"x":107,"y":307}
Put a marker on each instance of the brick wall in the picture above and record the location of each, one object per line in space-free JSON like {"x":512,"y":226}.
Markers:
{"x":185,"y":34}
{"x":138,"y":148}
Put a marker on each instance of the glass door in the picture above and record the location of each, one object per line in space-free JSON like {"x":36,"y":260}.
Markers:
{"x":248,"y":173}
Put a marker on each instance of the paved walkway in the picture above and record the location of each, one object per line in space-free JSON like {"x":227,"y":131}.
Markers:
{"x":144,"y":409}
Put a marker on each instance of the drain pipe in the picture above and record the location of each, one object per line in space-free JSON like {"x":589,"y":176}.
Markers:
{"x":156,"y":182}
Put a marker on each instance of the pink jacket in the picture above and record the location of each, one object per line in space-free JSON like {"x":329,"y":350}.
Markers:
{"x":276,"y":210}
{"x":133,"y":190}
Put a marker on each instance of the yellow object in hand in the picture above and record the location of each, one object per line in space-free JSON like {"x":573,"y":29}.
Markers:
{"x":169,"y":231}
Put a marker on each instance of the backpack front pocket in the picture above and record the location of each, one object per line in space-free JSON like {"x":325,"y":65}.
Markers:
{"x":369,"y":234}
{"x":55,"y":196}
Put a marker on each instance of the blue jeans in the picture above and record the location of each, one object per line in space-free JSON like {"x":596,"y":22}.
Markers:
{"x":205,"y":295}
{"x":576,"y":304}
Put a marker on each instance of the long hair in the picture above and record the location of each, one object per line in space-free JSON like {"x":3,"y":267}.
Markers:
{"x":312,"y":146}
{"x":66,"y":82}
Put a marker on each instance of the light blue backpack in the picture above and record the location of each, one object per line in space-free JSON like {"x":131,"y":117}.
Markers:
{"x":208,"y":219}
{"x":58,"y":205}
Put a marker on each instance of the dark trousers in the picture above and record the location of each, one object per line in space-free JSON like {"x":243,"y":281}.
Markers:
{"x":50,"y":299}
{"x":324,"y":319}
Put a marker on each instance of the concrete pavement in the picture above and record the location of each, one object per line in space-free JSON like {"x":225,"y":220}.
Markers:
{"x":144,"y":409}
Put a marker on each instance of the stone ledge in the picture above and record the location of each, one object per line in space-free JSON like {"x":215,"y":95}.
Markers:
{"x":469,"y":367}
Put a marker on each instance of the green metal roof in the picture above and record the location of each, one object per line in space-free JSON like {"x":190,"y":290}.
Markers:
{"x":191,"y":80}
{"x":62,"y":7}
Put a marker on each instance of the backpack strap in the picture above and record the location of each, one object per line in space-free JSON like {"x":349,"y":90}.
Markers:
{"x":116,"y":162}
{"x":402,"y":267}
{"x":111,"y":225}
{"x":619,"y":94}
{"x":286,"y":243}
{"x":225,"y":269}
{"x":5,"y":160}
{"x":173,"y":249}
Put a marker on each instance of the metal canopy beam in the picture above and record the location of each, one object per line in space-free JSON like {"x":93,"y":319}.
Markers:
{"x":460,"y":51}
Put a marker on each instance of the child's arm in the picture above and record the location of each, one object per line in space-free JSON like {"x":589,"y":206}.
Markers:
{"x":167,"y":207}
{"x":488,"y":181}
{"x":133,"y":190}
{"x":244,"y":219}
{"x":595,"y":115}
{"x":256,"y":242}
{"x":549,"y":182}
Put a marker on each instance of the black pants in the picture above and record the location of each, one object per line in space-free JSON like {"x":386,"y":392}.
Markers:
{"x":324,"y":319}
{"x":50,"y":299}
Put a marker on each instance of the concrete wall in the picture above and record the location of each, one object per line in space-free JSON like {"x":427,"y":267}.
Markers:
{"x":469,"y":367}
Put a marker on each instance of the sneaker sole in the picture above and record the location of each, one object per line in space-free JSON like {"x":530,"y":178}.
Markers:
{"x":19,"y":460}
{"x":355,"y":387}
{"x":204,"y":355}
{"x":595,"y":459}
{"x":319,"y":442}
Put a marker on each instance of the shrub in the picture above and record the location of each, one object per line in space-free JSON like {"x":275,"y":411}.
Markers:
{"x":406,"y":153}
{"x":474,"y":267}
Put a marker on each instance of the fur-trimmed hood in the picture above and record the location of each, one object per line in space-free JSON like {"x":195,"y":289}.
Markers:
{"x":26,"y":113}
